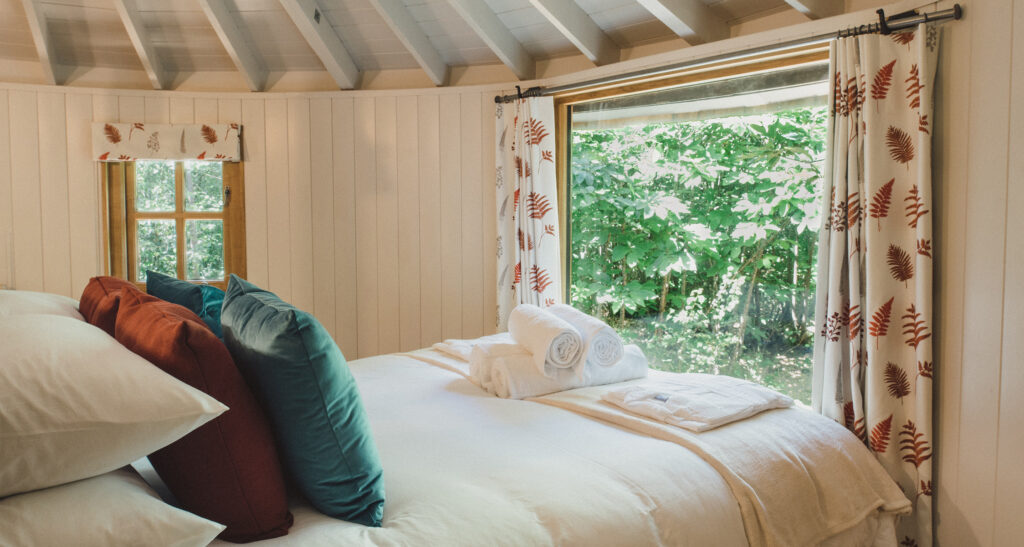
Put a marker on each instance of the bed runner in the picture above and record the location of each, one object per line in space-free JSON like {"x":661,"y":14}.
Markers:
{"x":799,"y":478}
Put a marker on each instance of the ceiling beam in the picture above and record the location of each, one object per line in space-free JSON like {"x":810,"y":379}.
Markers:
{"x":397,"y":16}
{"x":309,"y":17}
{"x":817,"y":9}
{"x":52,"y":72}
{"x":132,"y":21}
{"x":691,"y":20}
{"x":580,"y":29}
{"x":496,"y":35}
{"x":226,"y":26}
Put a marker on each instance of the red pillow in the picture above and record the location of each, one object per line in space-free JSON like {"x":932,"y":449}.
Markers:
{"x":99,"y":301}
{"x":227,"y":470}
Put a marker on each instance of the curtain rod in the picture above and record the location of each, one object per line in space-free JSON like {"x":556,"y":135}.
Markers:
{"x":885,"y":25}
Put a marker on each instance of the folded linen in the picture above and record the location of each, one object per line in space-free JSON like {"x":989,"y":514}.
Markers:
{"x":554,"y":343}
{"x":460,"y":349}
{"x":508,"y":371}
{"x":602,"y":346}
{"x":697,"y":402}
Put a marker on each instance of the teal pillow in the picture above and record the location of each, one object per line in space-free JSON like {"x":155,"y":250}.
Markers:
{"x":203,"y":300}
{"x":309,"y":393}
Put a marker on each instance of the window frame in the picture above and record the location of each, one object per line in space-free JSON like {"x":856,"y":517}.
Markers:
{"x":120,"y":253}
{"x":563,"y":102}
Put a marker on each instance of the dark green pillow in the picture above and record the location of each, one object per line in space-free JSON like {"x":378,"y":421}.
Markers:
{"x":309,"y":393}
{"x":203,"y":300}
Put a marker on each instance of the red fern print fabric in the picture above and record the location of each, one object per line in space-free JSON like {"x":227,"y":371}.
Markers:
{"x":529,"y":269}
{"x":152,"y":141}
{"x":873,"y":351}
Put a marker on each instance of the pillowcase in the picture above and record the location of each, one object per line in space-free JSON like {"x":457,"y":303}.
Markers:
{"x":227,"y":470}
{"x":100,"y":299}
{"x":114,"y":509}
{"x":76,"y":404}
{"x":203,"y":300}
{"x":307,"y":389}
{"x":22,"y":302}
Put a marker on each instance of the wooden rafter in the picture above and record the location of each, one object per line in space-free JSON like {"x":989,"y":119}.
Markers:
{"x":309,"y":17}
{"x":397,"y":16}
{"x":41,"y":36}
{"x":580,"y":29}
{"x":496,"y":35}
{"x":230,"y":33}
{"x":132,"y":21}
{"x":691,"y":20}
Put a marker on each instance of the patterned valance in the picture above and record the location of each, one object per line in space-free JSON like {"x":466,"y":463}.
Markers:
{"x":153,"y":141}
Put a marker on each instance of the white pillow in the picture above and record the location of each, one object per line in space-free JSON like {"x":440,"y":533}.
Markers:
{"x":76,"y":403}
{"x":23,"y":302}
{"x":113,"y":509}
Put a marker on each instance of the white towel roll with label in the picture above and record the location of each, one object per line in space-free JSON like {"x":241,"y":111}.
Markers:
{"x":554,"y":343}
{"x":602,"y":346}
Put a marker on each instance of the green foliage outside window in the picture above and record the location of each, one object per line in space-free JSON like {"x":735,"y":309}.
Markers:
{"x":698,"y":241}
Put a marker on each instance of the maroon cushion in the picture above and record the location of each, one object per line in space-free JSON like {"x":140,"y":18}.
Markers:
{"x":227,"y":470}
{"x":100,"y":299}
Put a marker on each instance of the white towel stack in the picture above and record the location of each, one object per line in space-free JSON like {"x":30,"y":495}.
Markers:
{"x":545,"y":352}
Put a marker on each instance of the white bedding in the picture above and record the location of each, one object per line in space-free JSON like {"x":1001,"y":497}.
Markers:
{"x":462,"y":467}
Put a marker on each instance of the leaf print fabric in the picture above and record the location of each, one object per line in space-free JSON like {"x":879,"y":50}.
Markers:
{"x":873,"y":350}
{"x":142,"y":141}
{"x":529,"y":268}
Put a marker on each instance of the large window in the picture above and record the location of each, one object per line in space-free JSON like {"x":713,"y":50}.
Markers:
{"x":180,"y":218}
{"x":694,"y":215}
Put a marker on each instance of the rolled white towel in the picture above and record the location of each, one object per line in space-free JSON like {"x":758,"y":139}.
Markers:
{"x":554,"y":343}
{"x":460,"y":349}
{"x":508,"y":371}
{"x":632,"y":366}
{"x":602,"y":346}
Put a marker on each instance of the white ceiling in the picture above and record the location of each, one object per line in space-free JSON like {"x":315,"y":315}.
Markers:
{"x":91,"y":33}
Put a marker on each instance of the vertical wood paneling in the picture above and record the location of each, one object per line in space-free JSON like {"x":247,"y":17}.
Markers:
{"x":472,"y":236}
{"x":488,"y":214}
{"x":1008,"y":526}
{"x":182,"y":110}
{"x":279,"y":275}
{"x":206,"y":110}
{"x":430,"y":218}
{"x":451,"y":216}
{"x":6,"y":212}
{"x":300,"y":201}
{"x":322,"y":191}
{"x":25,"y":194}
{"x":983,"y":277}
{"x":408,"y":223}
{"x":345,"y":303}
{"x":83,"y":194}
{"x":158,"y":110}
{"x":131,"y":108}
{"x":365,"y":161}
{"x":229,"y":111}
{"x":255,"y":164}
{"x":53,"y":193}
{"x":385,"y":138}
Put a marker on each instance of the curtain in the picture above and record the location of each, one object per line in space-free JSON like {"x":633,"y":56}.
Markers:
{"x":529,"y":270}
{"x":873,"y":363}
{"x":151,"y":141}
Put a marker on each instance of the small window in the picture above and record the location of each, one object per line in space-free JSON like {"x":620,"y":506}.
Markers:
{"x":694,"y":214}
{"x":185,"y":219}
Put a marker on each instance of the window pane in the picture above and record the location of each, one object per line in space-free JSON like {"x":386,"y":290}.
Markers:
{"x":204,"y":249}
{"x":156,"y":243}
{"x":697,"y":240}
{"x":154,"y":186}
{"x":203,"y":185}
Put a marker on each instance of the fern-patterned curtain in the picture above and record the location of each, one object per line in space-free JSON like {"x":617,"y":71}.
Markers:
{"x":873,"y":349}
{"x":529,"y":270}
{"x":152,"y":141}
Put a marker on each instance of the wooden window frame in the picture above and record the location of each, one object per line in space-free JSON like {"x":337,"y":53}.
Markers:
{"x":120,"y":258}
{"x":790,"y":58}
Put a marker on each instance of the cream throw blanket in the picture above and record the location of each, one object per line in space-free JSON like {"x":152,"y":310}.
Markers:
{"x":798,"y":477}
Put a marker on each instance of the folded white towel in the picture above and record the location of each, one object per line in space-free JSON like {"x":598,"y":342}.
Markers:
{"x":460,"y":349}
{"x":509,"y":371}
{"x":697,"y":402}
{"x":602,"y":346}
{"x":554,"y":343}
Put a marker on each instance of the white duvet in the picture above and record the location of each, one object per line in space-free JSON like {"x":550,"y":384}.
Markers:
{"x":462,"y":467}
